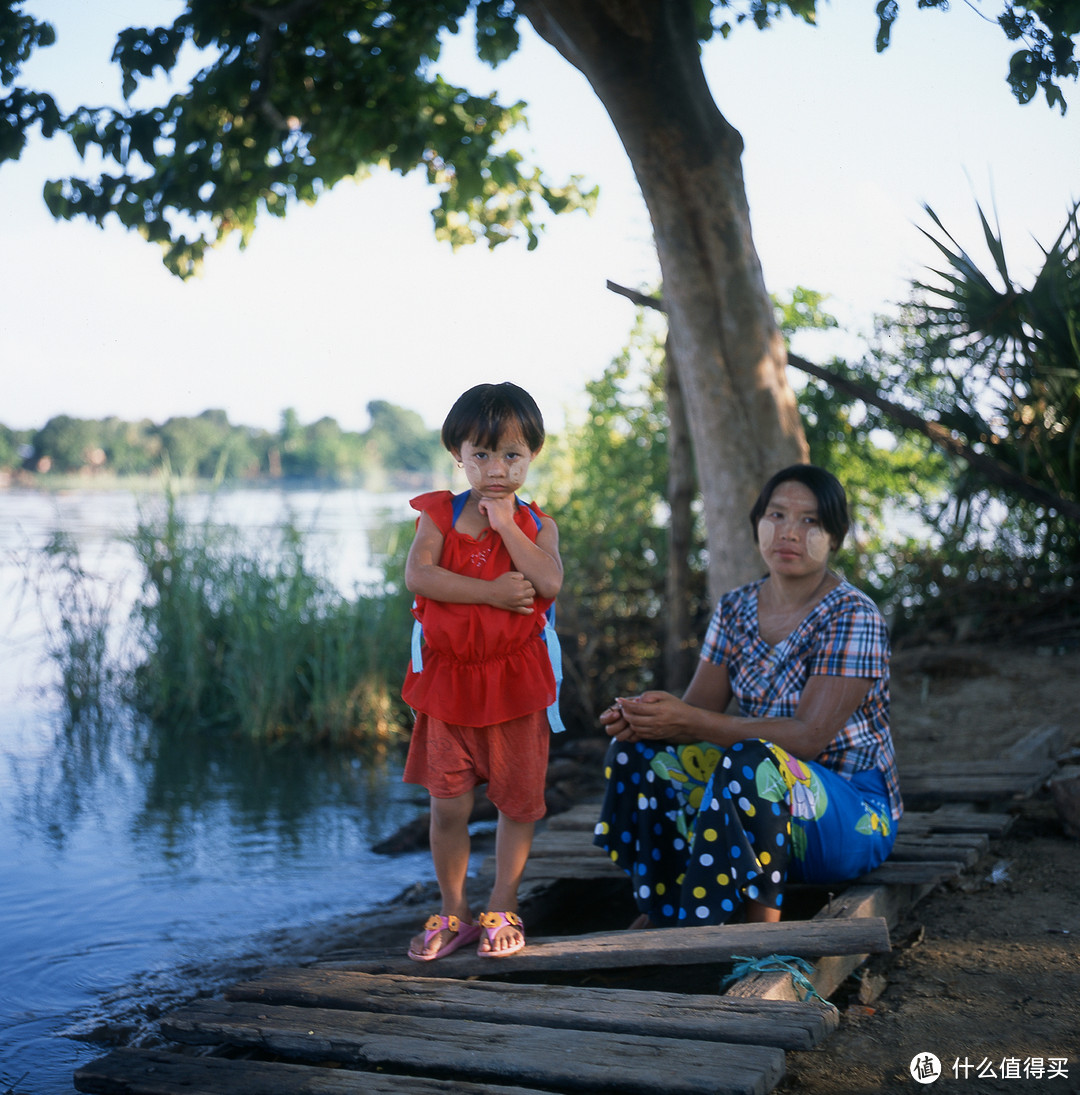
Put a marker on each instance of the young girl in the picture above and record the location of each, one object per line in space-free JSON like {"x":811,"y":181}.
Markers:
{"x":484,"y":569}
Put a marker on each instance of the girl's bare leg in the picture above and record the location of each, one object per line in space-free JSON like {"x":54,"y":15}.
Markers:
{"x":513,"y":840}
{"x":450,"y":855}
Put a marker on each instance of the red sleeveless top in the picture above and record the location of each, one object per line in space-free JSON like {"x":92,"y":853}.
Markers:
{"x":482,"y":665}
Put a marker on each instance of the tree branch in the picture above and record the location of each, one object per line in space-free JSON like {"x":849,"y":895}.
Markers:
{"x":640,"y":299}
{"x":993,"y":471}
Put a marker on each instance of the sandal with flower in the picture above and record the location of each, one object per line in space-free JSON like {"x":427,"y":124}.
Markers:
{"x":463,"y":935}
{"x":491,"y":923}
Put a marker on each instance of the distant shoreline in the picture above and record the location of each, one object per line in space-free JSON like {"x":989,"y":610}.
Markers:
{"x":107,"y":482}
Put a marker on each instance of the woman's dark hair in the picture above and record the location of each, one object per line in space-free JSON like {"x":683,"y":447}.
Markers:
{"x":827,"y":489}
{"x":484,"y":413}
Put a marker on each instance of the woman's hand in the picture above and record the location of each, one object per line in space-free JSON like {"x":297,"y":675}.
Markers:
{"x":615,"y":726}
{"x":657,"y":716}
{"x":652,"y":716}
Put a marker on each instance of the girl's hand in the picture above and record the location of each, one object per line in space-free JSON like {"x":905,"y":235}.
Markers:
{"x":513,"y":592}
{"x":499,"y":511}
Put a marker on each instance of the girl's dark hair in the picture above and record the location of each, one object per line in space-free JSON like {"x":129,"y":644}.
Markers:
{"x":484,"y":413}
{"x":831,"y":499}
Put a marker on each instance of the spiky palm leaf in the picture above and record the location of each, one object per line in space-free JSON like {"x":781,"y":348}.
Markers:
{"x":1011,"y":355}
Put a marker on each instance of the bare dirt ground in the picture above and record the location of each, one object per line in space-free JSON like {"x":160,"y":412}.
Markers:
{"x":984,"y":972}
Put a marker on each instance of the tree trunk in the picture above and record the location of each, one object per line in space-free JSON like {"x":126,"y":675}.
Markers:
{"x":679,"y":645}
{"x":641,"y":58}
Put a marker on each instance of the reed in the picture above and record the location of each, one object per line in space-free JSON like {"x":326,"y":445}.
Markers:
{"x":76,"y":618}
{"x":252,"y":641}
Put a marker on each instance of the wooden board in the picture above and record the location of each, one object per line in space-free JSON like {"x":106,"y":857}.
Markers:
{"x":975,"y":781}
{"x":661,"y":1014}
{"x":581,"y":817}
{"x":964,"y":848}
{"x":565,"y":1060}
{"x":828,"y":973}
{"x":658,"y":947}
{"x":587,"y":865}
{"x":955,"y":819}
{"x":924,"y":873}
{"x":566,"y":842}
{"x":165,"y":1072}
{"x":1043,"y":741}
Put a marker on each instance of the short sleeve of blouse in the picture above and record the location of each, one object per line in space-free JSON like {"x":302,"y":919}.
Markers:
{"x":731,"y":626}
{"x":852,"y":641}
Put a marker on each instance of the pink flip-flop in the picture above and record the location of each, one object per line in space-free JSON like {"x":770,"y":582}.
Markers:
{"x":490,"y":923}
{"x":465,"y":934}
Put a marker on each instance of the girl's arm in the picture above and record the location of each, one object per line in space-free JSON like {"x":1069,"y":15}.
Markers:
{"x":539,"y":561}
{"x":425,"y":578}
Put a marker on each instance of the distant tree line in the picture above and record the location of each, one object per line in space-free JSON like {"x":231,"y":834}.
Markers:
{"x":208,"y":446}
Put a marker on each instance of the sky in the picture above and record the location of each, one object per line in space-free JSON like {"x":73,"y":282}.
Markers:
{"x":354,"y":300}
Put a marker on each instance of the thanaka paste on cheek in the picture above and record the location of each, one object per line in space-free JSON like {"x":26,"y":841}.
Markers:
{"x":817,"y":544}
{"x":766,"y":530}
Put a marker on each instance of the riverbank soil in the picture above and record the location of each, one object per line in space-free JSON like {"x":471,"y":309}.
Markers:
{"x":985,"y":972}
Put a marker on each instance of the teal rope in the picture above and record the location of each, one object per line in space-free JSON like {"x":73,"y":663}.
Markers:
{"x":799,"y":969}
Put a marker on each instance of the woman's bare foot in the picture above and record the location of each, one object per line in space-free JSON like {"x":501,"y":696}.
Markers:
{"x":640,"y":922}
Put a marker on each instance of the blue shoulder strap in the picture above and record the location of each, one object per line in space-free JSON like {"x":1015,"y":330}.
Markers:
{"x":551,"y":638}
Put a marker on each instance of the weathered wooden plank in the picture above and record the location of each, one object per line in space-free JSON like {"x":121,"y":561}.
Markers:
{"x":965,"y":848}
{"x":1043,"y":741}
{"x":567,"y":1060}
{"x":583,"y":816}
{"x":828,"y":973}
{"x":925,"y":873}
{"x":163,"y":1072}
{"x":566,"y":842}
{"x":977,"y":781}
{"x":996,"y":767}
{"x":660,"y":1014}
{"x":658,"y":947}
{"x":552,"y":868}
{"x":952,"y":819}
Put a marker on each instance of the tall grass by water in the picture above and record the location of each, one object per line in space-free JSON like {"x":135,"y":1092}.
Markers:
{"x":238,"y":638}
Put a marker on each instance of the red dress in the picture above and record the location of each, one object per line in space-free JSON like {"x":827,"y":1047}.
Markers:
{"x":482,"y":665}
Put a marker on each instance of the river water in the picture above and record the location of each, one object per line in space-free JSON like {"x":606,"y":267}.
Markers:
{"x":131,"y":876}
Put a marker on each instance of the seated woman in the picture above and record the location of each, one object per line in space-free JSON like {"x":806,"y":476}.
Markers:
{"x":708,"y":811}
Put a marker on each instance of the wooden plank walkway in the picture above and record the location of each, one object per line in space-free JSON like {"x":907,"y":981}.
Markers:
{"x":663,"y":1014}
{"x":383,"y":1025}
{"x":694,"y":946}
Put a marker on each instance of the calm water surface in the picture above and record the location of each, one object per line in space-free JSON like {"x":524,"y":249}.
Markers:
{"x":131,"y":875}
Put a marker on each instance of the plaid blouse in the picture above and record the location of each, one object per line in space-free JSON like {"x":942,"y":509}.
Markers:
{"x":843,"y":635}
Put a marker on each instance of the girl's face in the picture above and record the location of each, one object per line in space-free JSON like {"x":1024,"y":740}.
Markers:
{"x":790,"y":537}
{"x":497,"y":472}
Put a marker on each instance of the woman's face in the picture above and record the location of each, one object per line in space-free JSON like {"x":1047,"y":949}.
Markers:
{"x":790,"y":537}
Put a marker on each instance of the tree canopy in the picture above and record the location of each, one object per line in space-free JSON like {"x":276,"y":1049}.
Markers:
{"x":293,"y":96}
{"x":288,"y":97}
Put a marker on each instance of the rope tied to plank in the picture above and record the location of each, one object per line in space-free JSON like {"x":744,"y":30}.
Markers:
{"x":799,"y":969}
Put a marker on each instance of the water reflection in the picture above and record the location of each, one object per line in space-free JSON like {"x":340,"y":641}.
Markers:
{"x":169,"y":780}
{"x":137,"y":869}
